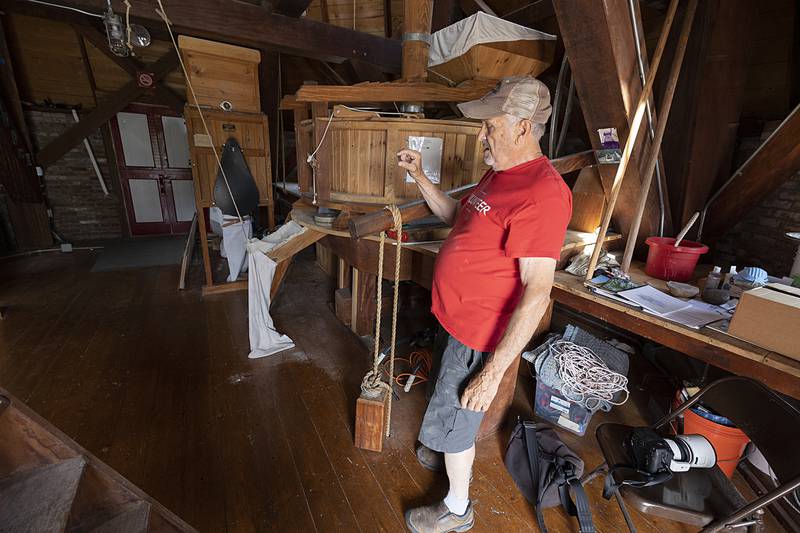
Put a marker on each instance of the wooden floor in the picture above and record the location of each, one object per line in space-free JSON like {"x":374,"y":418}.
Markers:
{"x":157,"y":383}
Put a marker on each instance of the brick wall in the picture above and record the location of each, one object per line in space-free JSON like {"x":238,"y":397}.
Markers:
{"x":758,"y":240}
{"x":80,"y":209}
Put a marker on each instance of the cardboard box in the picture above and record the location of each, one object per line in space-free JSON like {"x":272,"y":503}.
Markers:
{"x":769,"y":317}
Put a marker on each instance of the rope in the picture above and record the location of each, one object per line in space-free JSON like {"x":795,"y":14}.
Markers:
{"x":372,"y":384}
{"x":587,"y":379}
{"x":128,"y":26}
{"x":163,"y":14}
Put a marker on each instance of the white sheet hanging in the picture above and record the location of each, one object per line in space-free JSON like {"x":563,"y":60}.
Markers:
{"x":264,"y":338}
{"x":456,"y":40}
{"x":234,"y":240}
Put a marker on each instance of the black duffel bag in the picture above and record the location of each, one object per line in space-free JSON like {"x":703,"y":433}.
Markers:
{"x":545,"y":471}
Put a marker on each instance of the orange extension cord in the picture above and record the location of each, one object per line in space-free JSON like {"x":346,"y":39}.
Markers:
{"x":421,"y":357}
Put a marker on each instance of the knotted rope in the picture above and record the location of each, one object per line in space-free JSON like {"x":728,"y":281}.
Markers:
{"x":373,"y":384}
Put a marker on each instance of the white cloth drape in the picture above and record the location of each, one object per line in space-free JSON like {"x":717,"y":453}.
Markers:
{"x":456,"y":40}
{"x":264,"y":338}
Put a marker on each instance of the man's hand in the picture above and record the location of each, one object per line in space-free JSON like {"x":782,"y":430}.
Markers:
{"x":481,"y":391}
{"x":411,"y":160}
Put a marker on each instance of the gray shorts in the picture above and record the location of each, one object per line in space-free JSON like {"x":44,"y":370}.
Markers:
{"x":446,"y":426}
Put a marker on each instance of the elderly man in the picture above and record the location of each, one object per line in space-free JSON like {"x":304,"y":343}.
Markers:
{"x":491,"y":282}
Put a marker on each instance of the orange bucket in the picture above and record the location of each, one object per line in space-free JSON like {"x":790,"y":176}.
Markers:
{"x":728,"y":442}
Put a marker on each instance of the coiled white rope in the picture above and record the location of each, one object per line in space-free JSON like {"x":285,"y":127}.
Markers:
{"x":586,"y":378}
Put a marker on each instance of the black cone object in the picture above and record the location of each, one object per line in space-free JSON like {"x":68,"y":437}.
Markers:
{"x":241,"y":182}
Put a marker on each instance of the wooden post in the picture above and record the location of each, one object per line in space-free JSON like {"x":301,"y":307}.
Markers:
{"x":343,"y":274}
{"x":416,"y":39}
{"x":321,"y":188}
{"x":666,"y":105}
{"x":364,"y":305}
{"x":632,"y":135}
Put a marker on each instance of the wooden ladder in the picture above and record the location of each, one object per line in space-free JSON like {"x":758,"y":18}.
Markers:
{"x":48,"y":483}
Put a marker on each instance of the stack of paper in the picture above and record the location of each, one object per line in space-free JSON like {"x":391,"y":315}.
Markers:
{"x":692,"y":313}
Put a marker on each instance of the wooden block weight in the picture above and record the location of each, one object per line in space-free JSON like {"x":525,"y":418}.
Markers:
{"x":370,"y":416}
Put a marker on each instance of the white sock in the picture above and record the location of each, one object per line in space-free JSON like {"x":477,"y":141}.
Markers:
{"x":459,"y":468}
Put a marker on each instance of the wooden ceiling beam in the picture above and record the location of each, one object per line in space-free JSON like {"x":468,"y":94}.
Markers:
{"x":395,"y":92}
{"x":105,"y":110}
{"x":133,"y":67}
{"x":244,"y":24}
{"x":601,"y":50}
{"x":774,"y":162}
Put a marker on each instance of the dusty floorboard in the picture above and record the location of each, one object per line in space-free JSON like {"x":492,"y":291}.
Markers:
{"x":157,"y":383}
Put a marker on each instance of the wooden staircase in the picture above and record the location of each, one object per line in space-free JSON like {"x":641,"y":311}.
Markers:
{"x":48,"y":483}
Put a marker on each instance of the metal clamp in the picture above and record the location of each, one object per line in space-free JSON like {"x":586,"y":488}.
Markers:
{"x":417,"y":36}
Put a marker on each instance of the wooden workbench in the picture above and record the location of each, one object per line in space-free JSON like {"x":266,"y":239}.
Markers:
{"x":707,"y":345}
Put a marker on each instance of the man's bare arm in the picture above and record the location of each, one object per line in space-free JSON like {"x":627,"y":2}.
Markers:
{"x":442,"y":205}
{"x":537,"y":277}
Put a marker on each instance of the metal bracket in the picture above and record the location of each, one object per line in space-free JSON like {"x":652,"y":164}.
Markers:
{"x":417,"y":36}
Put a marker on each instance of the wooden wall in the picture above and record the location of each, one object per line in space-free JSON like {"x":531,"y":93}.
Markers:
{"x":50,"y":67}
{"x":361,"y":15}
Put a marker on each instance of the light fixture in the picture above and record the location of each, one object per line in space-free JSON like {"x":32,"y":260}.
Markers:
{"x":115,"y":31}
{"x":140,"y":37}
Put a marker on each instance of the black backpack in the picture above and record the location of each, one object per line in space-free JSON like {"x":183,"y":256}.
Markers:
{"x":545,"y":470}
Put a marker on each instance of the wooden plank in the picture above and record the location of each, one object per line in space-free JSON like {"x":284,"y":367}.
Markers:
{"x":294,"y":245}
{"x":188,"y":251}
{"x":11,"y":90}
{"x":395,"y":92}
{"x":104,"y":111}
{"x":243,"y":23}
{"x":776,"y":160}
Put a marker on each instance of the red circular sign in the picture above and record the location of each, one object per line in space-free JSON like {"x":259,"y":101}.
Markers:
{"x":145,"y":79}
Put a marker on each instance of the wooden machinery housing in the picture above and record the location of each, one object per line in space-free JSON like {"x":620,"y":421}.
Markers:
{"x":357,"y":159}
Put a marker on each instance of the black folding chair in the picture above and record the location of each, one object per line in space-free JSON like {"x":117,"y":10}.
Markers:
{"x":706,"y":498}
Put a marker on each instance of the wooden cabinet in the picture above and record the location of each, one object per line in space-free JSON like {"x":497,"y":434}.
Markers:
{"x":222,"y":73}
{"x":252,"y":133}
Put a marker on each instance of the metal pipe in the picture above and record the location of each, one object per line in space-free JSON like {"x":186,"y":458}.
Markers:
{"x":562,"y":72}
{"x":755,"y":505}
{"x":650,"y":129}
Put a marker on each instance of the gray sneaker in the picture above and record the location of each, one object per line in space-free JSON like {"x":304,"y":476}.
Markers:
{"x":437,"y":518}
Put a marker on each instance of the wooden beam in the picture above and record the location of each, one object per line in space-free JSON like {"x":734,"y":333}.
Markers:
{"x":387,"y":18}
{"x":416,"y":24}
{"x":382,"y":220}
{"x":104,"y":111}
{"x":244,"y":24}
{"x":601,"y":50}
{"x":10,"y":89}
{"x":443,"y":14}
{"x":774,"y":162}
{"x":290,"y":8}
{"x":97,"y":39}
{"x":395,"y":92}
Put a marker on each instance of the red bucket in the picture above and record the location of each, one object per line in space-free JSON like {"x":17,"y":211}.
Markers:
{"x":665,"y":261}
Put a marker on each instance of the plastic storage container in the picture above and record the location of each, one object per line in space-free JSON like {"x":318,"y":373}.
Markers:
{"x":557,"y":409}
{"x":665,"y":261}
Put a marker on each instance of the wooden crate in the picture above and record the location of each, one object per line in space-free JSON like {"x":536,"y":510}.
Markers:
{"x":358,"y":163}
{"x":252,"y":133}
{"x":222,"y":72}
{"x":497,"y":60}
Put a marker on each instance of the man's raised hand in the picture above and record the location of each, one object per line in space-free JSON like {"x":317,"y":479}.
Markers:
{"x":411,"y":160}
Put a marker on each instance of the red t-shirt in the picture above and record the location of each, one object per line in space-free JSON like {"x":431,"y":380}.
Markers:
{"x":519,"y":212}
